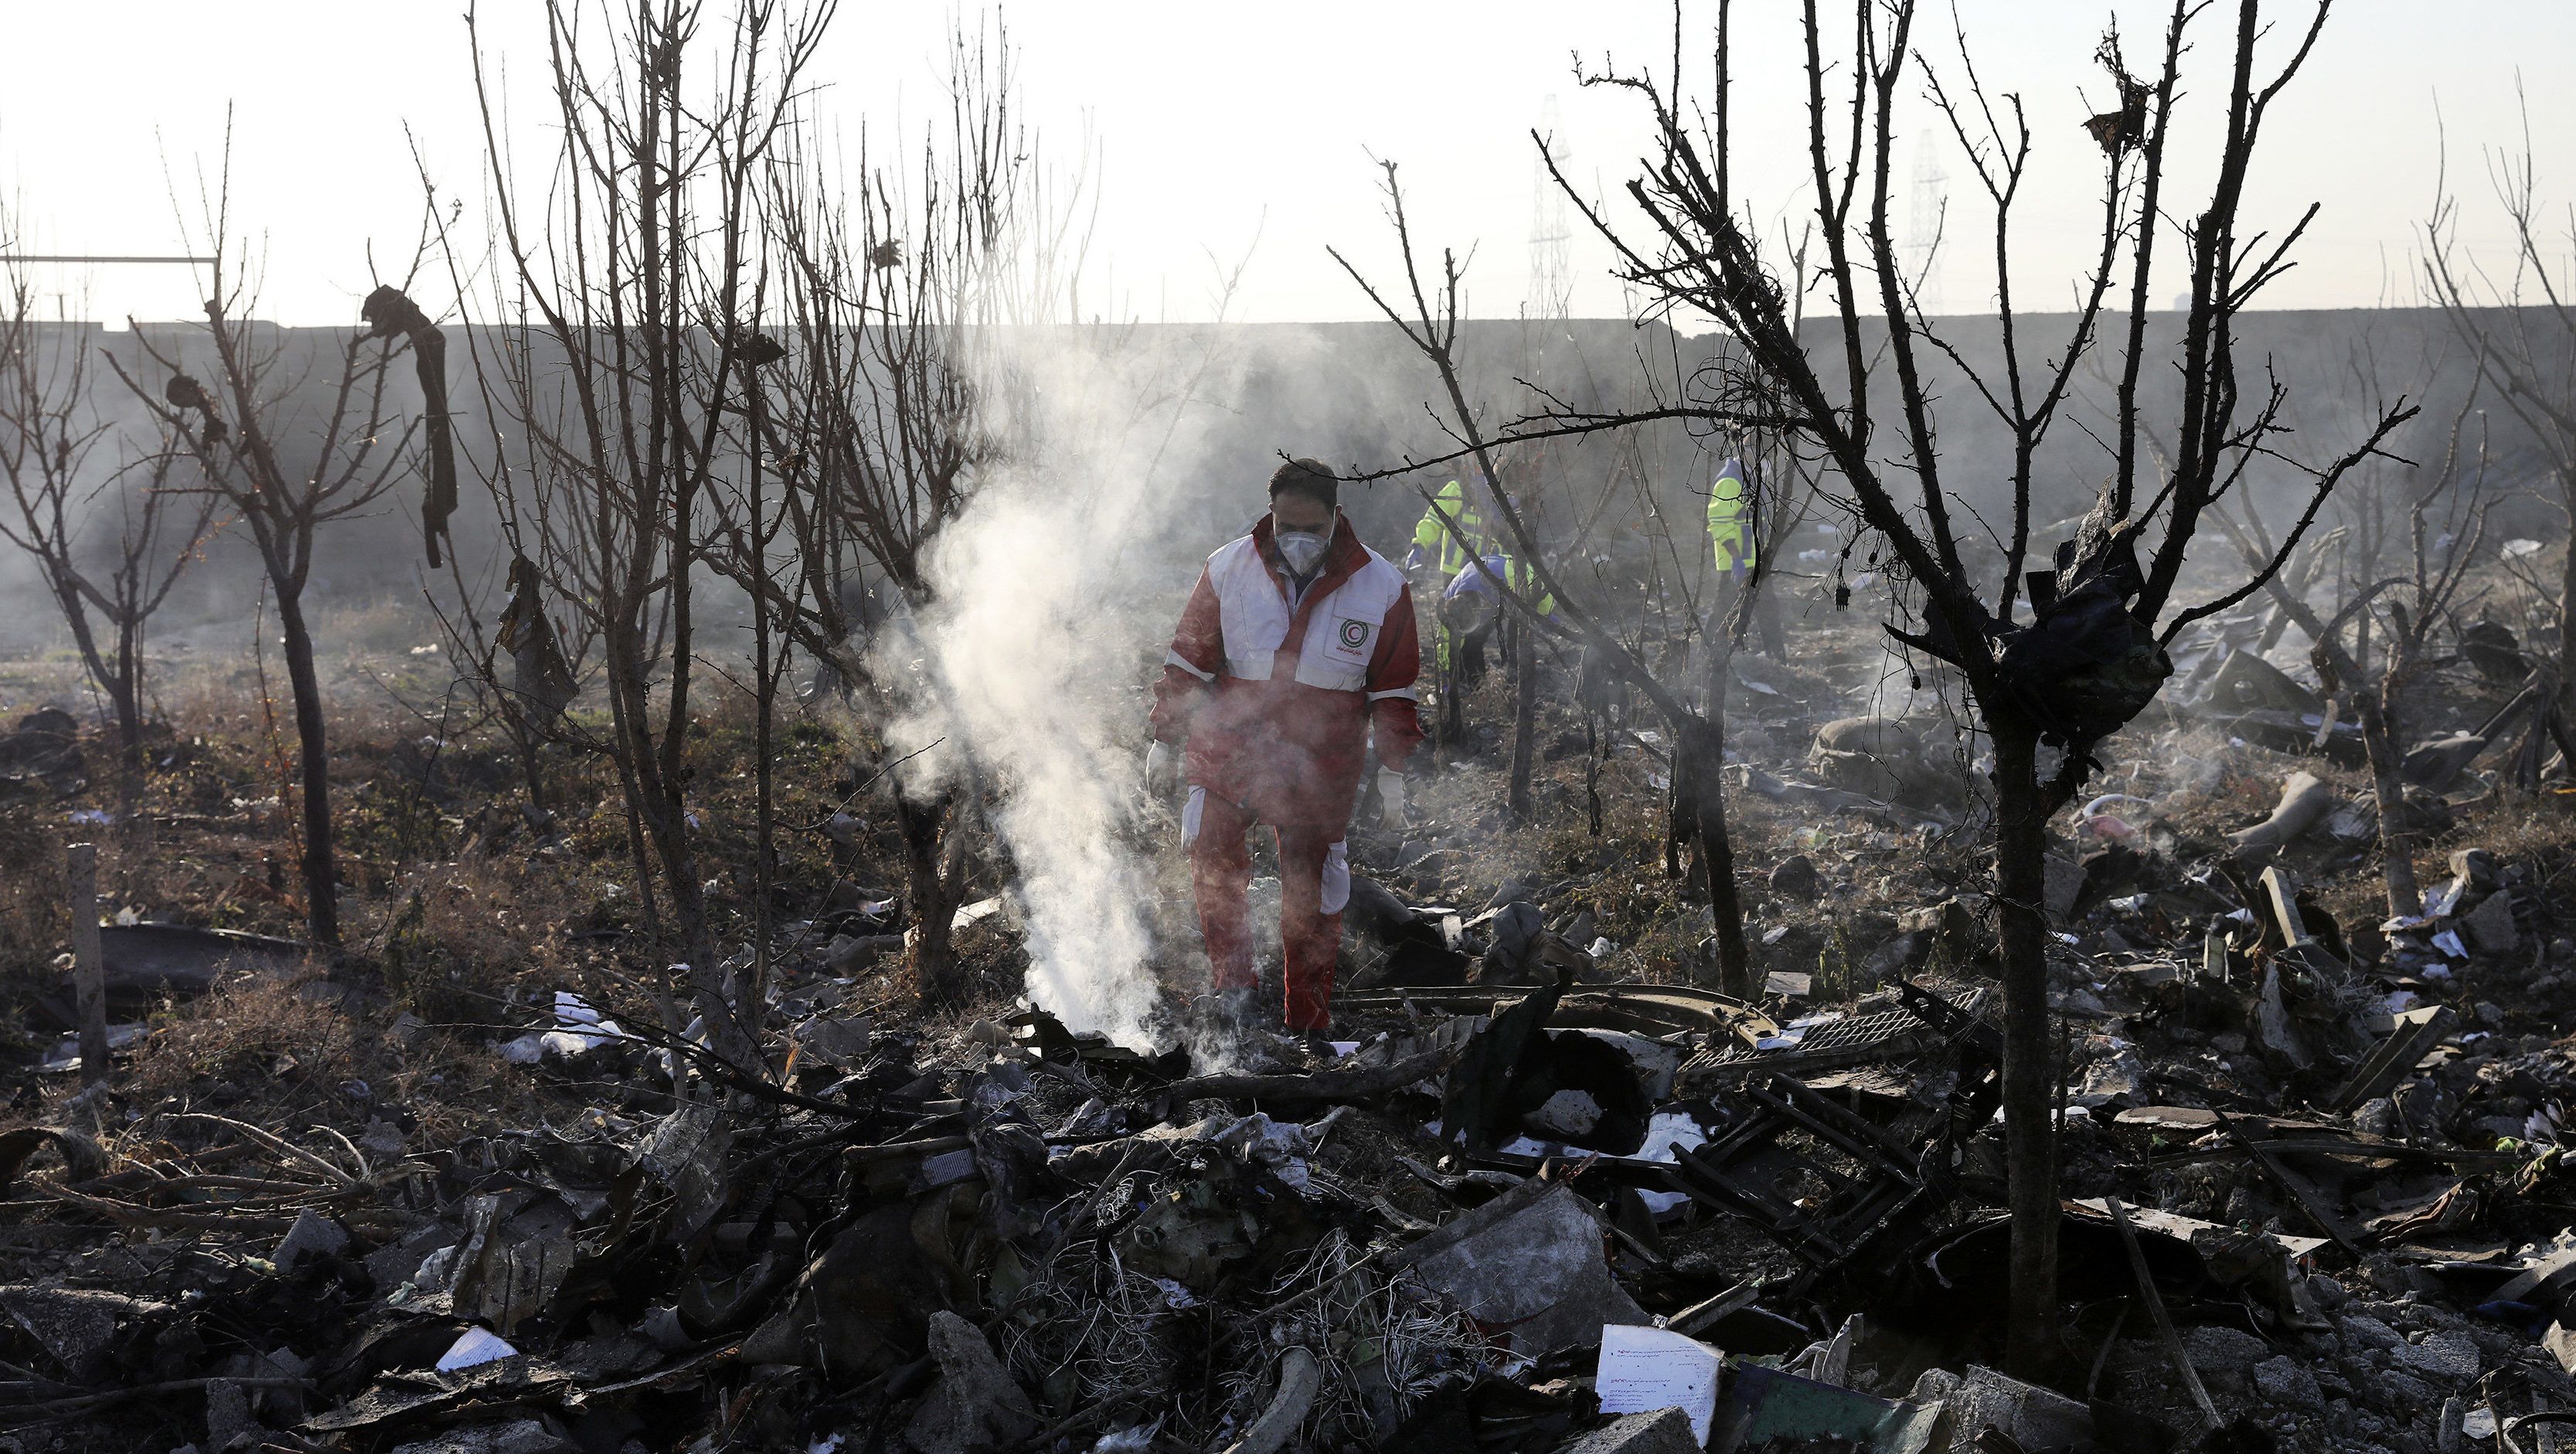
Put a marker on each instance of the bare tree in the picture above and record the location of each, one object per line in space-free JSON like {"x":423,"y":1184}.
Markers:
{"x":879,"y":417}
{"x":110,"y":541}
{"x":525,"y":666}
{"x":748,"y":543}
{"x":284,"y":473}
{"x":1431,"y":324}
{"x":2048,"y":686}
{"x":634,"y":279}
{"x":2519,"y":325}
{"x":2443,"y":518}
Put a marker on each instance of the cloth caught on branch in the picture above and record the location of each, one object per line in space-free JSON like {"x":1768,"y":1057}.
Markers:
{"x":2085,"y":664}
{"x":388,"y":311}
{"x":539,"y":674}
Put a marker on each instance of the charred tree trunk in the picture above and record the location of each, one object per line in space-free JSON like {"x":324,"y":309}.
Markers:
{"x":1592,"y":772}
{"x":667,"y":818}
{"x":2396,"y":845}
{"x":1700,"y":765}
{"x":669,"y":827}
{"x":1449,"y":724}
{"x":666,"y":827}
{"x":625,"y":680}
{"x":662,"y":809}
{"x":926,"y":828}
{"x":2030,"y":1147}
{"x":766,"y":672}
{"x":118,"y":676}
{"x":321,"y":875}
{"x":754,"y":997}
{"x":125,"y":692}
{"x":2373,"y":707}
{"x":532,"y":771}
{"x":107,"y":677}
{"x":1701,"y":749}
{"x":2567,"y":620}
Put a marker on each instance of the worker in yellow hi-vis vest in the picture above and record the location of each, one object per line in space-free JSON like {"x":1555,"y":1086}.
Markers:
{"x":1448,"y":545}
{"x":1733,"y":539}
{"x":1730,"y":522}
{"x":1433,"y":540}
{"x":1448,"y":550}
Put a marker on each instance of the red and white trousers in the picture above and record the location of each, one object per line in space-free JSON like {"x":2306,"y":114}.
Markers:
{"x":1314,"y":887}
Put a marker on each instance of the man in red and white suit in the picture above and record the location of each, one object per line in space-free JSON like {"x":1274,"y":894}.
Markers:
{"x":1298,"y":643}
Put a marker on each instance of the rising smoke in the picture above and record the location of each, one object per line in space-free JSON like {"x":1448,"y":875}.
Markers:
{"x":1051,"y":594}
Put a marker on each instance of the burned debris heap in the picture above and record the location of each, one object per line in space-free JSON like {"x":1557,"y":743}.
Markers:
{"x":1534,"y":1196}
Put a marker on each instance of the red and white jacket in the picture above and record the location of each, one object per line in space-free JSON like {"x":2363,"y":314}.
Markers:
{"x":1275,"y":696}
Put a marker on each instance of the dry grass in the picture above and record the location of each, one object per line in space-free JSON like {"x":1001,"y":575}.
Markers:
{"x":276,"y":1039}
{"x":33,"y":924}
{"x":473,"y":935}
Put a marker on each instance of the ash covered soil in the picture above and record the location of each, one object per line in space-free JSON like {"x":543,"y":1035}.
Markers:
{"x":443,"y":1190}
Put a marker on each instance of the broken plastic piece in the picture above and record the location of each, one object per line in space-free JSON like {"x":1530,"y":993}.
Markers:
{"x":1779,"y":1413}
{"x":2305,"y":801}
{"x":1529,"y":1264}
{"x":472,"y":1347}
{"x":2417,"y":1032}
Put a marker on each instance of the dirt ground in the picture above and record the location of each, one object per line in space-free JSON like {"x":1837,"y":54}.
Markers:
{"x":373,"y":1088}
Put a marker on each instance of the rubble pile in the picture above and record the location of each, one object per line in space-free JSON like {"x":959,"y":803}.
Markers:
{"x":1541,"y":1190}
{"x":2313,"y":1194}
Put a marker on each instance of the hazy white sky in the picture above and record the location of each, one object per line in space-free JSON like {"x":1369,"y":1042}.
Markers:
{"x":1219,"y":123}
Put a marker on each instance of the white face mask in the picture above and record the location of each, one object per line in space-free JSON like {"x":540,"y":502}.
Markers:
{"x":1301,"y":548}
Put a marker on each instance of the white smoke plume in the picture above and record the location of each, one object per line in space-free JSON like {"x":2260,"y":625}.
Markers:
{"x":1049,"y":594}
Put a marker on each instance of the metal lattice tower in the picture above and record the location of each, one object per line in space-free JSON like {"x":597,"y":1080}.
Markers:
{"x":1551,"y":280}
{"x":1923,"y":224}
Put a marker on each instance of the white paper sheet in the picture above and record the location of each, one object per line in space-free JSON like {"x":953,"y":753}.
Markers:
{"x":1644,"y":1369}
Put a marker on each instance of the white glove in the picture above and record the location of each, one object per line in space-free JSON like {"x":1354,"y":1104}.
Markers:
{"x":1390,"y":793}
{"x":1162,"y":770}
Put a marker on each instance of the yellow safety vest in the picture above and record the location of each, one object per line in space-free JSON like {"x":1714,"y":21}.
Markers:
{"x":1433,"y":535}
{"x":1520,"y":581}
{"x":1730,"y":519}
